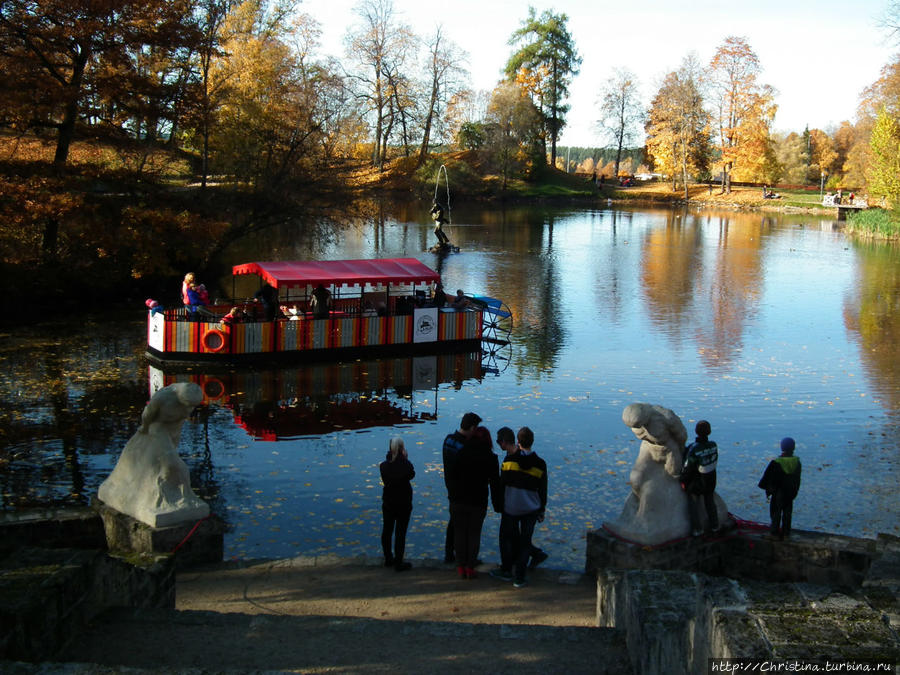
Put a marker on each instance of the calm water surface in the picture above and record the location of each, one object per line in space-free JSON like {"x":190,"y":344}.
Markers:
{"x":766,"y":325}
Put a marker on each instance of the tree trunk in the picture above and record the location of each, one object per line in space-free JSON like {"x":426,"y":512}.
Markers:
{"x":618,"y":158}
{"x":426,"y":133}
{"x":66,"y":128}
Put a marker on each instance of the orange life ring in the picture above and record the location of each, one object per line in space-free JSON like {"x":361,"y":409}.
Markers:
{"x":213,"y":388}
{"x":214,"y":340}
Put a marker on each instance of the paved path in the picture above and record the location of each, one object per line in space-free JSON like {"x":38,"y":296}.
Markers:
{"x":353,"y":616}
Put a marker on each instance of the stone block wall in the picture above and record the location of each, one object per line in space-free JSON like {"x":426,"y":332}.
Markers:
{"x":814,"y":557}
{"x":816,"y":597}
{"x":48,"y":595}
{"x":676,"y":621}
{"x":75,"y":527}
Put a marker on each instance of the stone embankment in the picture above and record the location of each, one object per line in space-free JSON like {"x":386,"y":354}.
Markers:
{"x":670,"y":609}
{"x":812,"y":599}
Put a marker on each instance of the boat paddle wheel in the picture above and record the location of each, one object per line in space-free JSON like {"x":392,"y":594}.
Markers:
{"x":497,"y":323}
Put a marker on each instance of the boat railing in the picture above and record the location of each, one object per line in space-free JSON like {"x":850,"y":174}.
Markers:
{"x":253,"y":312}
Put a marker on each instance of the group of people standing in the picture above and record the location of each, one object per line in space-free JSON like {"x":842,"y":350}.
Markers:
{"x":517,"y":489}
{"x":473,"y":475}
{"x":781,"y":481}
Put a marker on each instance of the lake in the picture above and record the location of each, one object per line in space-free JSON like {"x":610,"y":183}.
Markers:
{"x":766,"y":325}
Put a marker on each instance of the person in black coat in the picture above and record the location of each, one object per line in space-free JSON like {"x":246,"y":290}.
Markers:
{"x":268,"y":296}
{"x":396,"y":473}
{"x":476,"y":474}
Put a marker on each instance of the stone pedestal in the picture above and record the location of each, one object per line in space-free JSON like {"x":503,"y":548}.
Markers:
{"x":696,"y":554}
{"x":810,"y":557}
{"x":205,"y":545}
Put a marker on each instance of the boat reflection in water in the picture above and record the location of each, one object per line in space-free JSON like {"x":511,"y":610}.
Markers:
{"x":316,"y":399}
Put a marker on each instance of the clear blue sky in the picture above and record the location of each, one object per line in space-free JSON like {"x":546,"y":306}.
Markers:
{"x":818,"y":55}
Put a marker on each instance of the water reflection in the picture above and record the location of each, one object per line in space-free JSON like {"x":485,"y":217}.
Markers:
{"x":64,"y":399}
{"x":765,"y":325}
{"x":872,"y":312}
{"x":702,"y":280}
{"x":286,"y":403}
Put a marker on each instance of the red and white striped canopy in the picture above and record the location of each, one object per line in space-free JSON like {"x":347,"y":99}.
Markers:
{"x":282,"y":274}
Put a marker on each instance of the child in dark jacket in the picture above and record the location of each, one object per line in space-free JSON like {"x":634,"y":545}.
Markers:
{"x":524,"y":480}
{"x":396,"y":473}
{"x":781,"y":481}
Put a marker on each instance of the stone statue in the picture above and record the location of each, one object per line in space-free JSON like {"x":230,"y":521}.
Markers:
{"x":151,"y":482}
{"x":656,"y":511}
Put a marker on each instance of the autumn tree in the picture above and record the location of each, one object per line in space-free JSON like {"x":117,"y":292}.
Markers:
{"x":514,"y":126}
{"x":884,"y":171}
{"x":380,"y":46}
{"x":270,"y":126}
{"x":445,"y":80}
{"x":211,"y":15}
{"x":844,"y":138}
{"x":544,"y":64}
{"x":678,"y":126}
{"x":743,"y":109}
{"x":587,"y":166}
{"x":55,"y":53}
{"x":823,"y":156}
{"x":621,"y":110}
{"x":884,"y":93}
{"x":464,"y":117}
{"x":792,"y":158}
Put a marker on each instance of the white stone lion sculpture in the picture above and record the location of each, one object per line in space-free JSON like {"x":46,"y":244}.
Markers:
{"x":151,"y":482}
{"x":656,"y":511}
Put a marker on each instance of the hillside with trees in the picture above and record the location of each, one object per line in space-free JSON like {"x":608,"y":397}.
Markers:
{"x":137,"y":137}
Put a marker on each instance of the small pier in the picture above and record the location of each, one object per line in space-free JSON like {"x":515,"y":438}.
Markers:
{"x":844,"y":205}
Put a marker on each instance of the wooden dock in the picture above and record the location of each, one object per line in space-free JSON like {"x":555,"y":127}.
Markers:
{"x":844,"y":205}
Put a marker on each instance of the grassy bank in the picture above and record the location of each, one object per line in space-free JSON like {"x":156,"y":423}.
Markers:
{"x":875,"y":224}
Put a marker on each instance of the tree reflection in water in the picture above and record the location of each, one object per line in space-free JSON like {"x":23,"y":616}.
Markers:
{"x":766,"y":325}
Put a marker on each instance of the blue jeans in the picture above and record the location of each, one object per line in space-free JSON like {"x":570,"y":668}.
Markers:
{"x":515,"y":543}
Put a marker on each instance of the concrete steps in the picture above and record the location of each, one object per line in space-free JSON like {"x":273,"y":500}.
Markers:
{"x":186,"y":641}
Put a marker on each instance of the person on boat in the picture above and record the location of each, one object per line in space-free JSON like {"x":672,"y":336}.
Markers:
{"x":396,"y":473}
{"x":453,"y":443}
{"x":460,"y":302}
{"x":438,"y":212}
{"x":154,"y":306}
{"x":506,"y":441}
{"x":699,"y":478}
{"x":197,"y":298}
{"x":268,"y":296}
{"x":439,"y":299}
{"x":477,"y":475}
{"x":781,"y":481}
{"x":321,"y":302}
{"x":235,"y":315}
{"x":185,"y":285}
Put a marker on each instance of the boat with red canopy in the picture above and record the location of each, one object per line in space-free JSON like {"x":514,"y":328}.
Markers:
{"x":327,"y":309}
